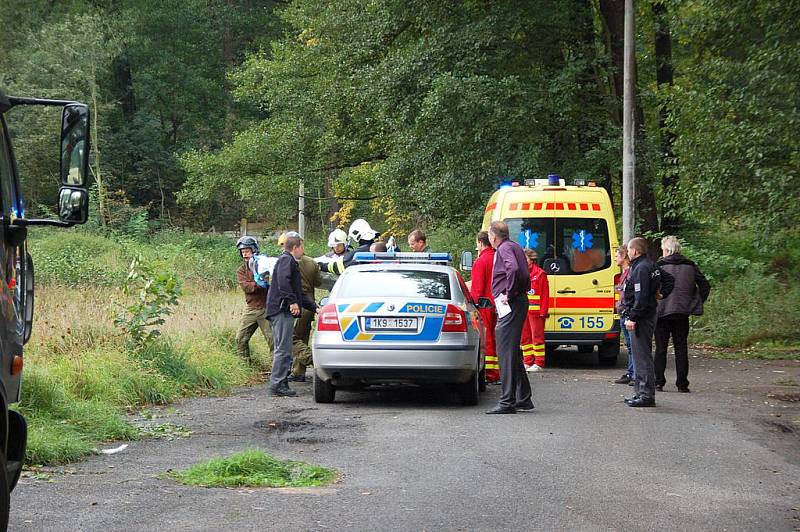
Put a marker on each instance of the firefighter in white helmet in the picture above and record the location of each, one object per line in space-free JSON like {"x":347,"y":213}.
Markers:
{"x":362,"y":236}
{"x":337,"y":241}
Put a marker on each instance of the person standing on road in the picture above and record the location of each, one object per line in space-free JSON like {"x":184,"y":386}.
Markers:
{"x":510,"y":284}
{"x":640,"y":291}
{"x":481,"y":287}
{"x":621,"y":257}
{"x":311,"y":278}
{"x":255,"y":297}
{"x":688,"y":294}
{"x":533,"y":347}
{"x":284,"y":301}
{"x":418,"y":242}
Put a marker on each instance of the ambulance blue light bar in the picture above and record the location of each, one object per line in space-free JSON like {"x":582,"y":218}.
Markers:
{"x":402,"y":256}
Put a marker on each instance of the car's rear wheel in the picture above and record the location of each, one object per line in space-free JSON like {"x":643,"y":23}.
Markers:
{"x":482,"y":380}
{"x":608,"y":353}
{"x":470,"y":390}
{"x":324,"y":392}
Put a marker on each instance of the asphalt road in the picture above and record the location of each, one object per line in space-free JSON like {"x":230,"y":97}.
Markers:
{"x":412,"y":459}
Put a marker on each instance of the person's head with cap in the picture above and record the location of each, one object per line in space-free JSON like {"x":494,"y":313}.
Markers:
{"x":292,"y":243}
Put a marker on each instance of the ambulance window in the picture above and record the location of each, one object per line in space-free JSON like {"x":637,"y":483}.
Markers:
{"x":534,"y":233}
{"x":583,"y":244}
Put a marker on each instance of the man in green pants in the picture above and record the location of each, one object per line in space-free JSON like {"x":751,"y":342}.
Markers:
{"x":311,"y":278}
{"x":255,"y":296}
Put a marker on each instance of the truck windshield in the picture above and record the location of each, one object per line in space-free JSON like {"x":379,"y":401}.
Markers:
{"x":575,"y":245}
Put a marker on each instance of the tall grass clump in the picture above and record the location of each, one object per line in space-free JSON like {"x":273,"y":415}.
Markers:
{"x":254,"y":468}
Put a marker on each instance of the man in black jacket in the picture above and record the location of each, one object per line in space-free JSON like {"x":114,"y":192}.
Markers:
{"x":284,"y":299}
{"x":687,"y":297}
{"x":639,"y":294}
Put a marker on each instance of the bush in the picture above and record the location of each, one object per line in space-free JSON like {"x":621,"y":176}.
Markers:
{"x":750,"y":307}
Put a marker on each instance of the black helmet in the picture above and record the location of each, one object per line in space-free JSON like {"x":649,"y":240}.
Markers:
{"x":247,"y":242}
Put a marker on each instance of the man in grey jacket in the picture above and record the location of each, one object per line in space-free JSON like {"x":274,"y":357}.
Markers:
{"x":687,"y":297}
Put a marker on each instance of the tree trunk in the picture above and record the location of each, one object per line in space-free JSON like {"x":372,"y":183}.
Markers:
{"x":101,"y":189}
{"x":612,"y":13}
{"x":328,"y":192}
{"x":670,"y":219}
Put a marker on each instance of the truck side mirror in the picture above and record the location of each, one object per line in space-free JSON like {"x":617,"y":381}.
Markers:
{"x":466,"y":261}
{"x":73,"y":205}
{"x":74,"y":145}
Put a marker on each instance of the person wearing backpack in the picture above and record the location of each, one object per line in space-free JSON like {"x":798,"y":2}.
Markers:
{"x":639,"y":292}
{"x":690,"y":291}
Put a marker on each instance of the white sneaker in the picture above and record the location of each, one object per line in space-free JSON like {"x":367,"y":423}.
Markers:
{"x":533,"y":368}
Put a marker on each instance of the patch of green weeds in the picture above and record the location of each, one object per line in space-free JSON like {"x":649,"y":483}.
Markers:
{"x":254,"y":468}
{"x":166,"y":431}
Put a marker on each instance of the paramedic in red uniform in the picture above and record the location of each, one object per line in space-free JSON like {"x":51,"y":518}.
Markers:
{"x":533,"y":352}
{"x":481,"y":286}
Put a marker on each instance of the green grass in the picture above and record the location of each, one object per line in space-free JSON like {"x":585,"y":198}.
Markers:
{"x":254,"y":468}
{"x":75,"y":402}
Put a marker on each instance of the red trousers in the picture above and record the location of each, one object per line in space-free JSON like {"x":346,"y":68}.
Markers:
{"x":489,"y":317}
{"x":533,"y":340}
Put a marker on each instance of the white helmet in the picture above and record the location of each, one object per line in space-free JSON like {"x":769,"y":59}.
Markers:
{"x":337,"y":236}
{"x":360,"y":230}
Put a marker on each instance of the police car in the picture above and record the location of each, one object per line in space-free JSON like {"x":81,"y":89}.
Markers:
{"x":399,"y":317}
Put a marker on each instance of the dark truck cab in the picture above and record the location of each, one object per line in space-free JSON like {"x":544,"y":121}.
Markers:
{"x":16,"y":266}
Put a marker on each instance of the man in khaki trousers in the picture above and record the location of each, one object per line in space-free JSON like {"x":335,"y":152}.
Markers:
{"x":255,"y":297}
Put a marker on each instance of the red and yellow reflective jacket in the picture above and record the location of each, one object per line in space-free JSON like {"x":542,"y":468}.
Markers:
{"x":539,"y":294}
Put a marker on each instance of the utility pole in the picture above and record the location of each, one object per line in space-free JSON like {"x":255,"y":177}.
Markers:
{"x":301,"y":212}
{"x":628,"y":151}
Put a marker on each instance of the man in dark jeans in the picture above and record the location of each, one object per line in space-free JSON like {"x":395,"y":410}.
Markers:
{"x":640,"y":302}
{"x":510,"y":284}
{"x":284,"y":299}
{"x":687,"y":297}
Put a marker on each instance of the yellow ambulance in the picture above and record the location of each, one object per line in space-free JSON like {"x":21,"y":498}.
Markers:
{"x":573,"y":231}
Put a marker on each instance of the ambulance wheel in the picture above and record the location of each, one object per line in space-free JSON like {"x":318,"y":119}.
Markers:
{"x":482,"y":380}
{"x":469,"y":391}
{"x":607,"y":353}
{"x":324,"y":392}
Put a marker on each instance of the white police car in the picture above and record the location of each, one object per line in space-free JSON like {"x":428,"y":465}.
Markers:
{"x":399,"y":317}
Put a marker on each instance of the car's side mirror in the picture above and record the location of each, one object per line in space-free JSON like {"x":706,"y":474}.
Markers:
{"x":73,"y":205}
{"x":75,"y":145}
{"x":485,"y":302}
{"x":466,"y":260}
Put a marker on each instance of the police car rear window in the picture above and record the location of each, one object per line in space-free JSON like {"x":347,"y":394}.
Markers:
{"x":396,"y":283}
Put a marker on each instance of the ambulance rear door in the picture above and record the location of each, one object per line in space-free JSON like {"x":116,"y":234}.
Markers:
{"x":581,"y":275}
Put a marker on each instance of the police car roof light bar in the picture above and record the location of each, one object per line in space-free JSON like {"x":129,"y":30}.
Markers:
{"x":402,"y":256}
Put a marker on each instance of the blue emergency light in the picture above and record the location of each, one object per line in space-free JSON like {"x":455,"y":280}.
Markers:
{"x":553,"y":179}
{"x":402,"y":256}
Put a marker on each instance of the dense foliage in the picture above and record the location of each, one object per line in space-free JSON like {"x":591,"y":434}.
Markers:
{"x":409,"y":112}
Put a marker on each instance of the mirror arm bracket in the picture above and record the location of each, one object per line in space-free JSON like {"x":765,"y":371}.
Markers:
{"x":23,"y":222}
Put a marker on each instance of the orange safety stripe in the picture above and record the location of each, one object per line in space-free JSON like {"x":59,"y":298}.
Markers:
{"x":553,"y":206}
{"x":490,"y":207}
{"x":582,"y":302}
